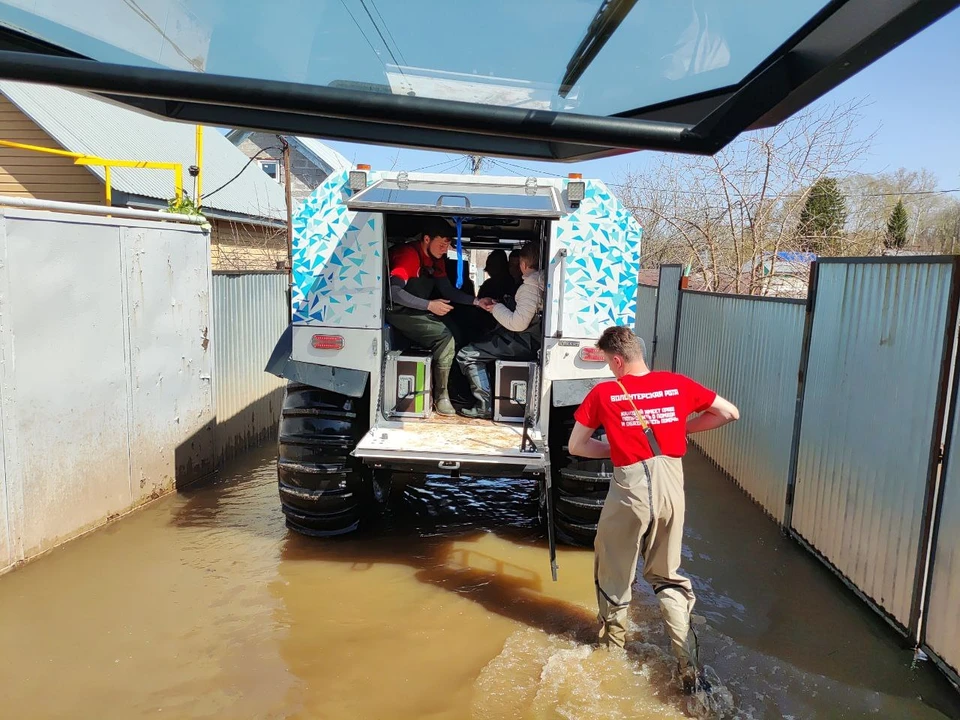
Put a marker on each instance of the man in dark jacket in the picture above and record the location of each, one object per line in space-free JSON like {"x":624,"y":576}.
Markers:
{"x":418,"y":272}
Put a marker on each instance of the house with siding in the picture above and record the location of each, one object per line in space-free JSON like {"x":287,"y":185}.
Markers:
{"x":246,"y":209}
{"x":311,"y":161}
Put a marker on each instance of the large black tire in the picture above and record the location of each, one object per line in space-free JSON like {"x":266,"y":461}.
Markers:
{"x":579,"y":486}
{"x":324,"y":491}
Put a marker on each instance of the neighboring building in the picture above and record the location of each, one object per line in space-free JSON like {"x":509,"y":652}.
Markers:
{"x":785,"y":274}
{"x":312,"y":162}
{"x":247,"y":216}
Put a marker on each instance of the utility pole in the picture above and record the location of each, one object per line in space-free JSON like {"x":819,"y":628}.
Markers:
{"x":476,"y":163}
{"x":288,"y":187}
{"x":198,"y":178}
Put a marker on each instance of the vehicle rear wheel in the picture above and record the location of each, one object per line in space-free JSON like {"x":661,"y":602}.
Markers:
{"x":579,"y":486}
{"x":324,"y":491}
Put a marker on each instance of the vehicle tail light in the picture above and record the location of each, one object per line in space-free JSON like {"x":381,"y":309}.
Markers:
{"x":328,"y":342}
{"x":592,"y":354}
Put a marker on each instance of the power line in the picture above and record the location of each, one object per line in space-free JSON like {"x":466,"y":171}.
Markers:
{"x":387,"y":28}
{"x":446,"y":163}
{"x":514,"y":167}
{"x":909,"y":192}
{"x":206,"y":196}
{"x":344,"y":3}
{"x":504,"y":164}
{"x":376,"y":27}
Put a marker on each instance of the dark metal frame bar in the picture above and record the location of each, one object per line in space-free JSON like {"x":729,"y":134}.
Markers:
{"x":843,"y":38}
{"x":605,"y":23}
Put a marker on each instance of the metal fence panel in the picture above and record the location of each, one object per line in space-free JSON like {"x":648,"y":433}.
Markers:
{"x":869,"y":414}
{"x":665,"y":329}
{"x":942,"y":631}
{"x":106,"y":371}
{"x":646,"y":316}
{"x":748,"y":350}
{"x":249,"y":315}
{"x":165,"y":304}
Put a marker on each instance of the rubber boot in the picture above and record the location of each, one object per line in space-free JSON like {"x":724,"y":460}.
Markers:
{"x":441,"y":395}
{"x":480,"y":387}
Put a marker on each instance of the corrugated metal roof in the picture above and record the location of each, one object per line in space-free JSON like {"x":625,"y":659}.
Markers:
{"x":83,"y":124}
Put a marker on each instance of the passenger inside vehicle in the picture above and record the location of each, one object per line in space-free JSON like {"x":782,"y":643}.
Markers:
{"x":418,"y":271}
{"x":518,"y":335}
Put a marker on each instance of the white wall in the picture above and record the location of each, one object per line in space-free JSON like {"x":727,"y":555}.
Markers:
{"x":105,"y":371}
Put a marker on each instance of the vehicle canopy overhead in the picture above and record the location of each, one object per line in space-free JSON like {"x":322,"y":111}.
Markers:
{"x":537,"y":79}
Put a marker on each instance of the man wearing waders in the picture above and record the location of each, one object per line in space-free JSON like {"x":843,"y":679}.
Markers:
{"x":644,"y":415}
{"x":516,"y":338}
{"x":418,"y":271}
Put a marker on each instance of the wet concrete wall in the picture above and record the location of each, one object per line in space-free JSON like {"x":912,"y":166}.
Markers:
{"x":106,"y":397}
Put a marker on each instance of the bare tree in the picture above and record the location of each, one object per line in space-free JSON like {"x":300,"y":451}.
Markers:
{"x":728,"y":216}
{"x":873,"y":198}
{"x":242,"y":247}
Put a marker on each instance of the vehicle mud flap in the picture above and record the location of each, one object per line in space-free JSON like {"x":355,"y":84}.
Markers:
{"x":352,"y":383}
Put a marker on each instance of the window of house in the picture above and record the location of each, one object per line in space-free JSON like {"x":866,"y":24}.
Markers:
{"x":271,"y":168}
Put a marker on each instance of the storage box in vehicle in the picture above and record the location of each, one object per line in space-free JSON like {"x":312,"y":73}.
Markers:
{"x":511,"y":387}
{"x":406,"y":386}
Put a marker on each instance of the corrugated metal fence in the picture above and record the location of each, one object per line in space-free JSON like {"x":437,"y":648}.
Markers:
{"x":747,"y":349}
{"x":843,"y":404}
{"x":871,"y":416}
{"x":646,"y":315}
{"x":249,"y":315}
{"x":942,"y":628}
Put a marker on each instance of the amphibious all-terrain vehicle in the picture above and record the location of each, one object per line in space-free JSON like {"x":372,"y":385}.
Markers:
{"x":357,"y":408}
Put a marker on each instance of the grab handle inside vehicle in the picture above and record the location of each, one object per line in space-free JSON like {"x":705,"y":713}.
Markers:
{"x":466,"y":200}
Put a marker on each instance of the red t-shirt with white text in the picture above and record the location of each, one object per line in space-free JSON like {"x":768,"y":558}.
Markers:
{"x":666,"y":400}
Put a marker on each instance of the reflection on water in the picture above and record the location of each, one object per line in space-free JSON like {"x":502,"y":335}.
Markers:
{"x":204,"y":606}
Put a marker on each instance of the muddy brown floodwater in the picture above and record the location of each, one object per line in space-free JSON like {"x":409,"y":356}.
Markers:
{"x":204,"y":606}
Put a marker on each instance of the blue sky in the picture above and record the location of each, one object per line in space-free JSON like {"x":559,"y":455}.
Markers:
{"x":914,"y":105}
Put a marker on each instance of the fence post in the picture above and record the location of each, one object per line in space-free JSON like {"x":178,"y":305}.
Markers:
{"x":801,"y":387}
{"x":676,"y":330}
{"x":936,"y":455}
{"x":661,"y":328}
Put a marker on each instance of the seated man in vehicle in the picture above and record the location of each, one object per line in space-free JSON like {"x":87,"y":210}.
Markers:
{"x":499,"y":283}
{"x":498,"y":286}
{"x":418,"y":272}
{"x":517,"y":337}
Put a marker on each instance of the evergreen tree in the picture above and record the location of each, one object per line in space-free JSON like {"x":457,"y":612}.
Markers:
{"x":897,"y":227}
{"x":823,"y":218}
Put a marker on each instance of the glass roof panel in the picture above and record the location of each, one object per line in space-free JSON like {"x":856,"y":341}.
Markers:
{"x":481,"y":199}
{"x":493,"y":52}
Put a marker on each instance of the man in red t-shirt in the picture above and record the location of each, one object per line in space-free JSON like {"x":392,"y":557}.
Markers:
{"x":643,"y":512}
{"x":418,"y":272}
